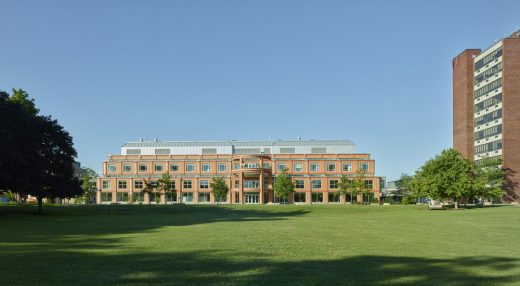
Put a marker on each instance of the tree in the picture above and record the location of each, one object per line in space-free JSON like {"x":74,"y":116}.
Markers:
{"x":283,"y":186}
{"x":166,"y":185}
{"x":219,"y":188}
{"x":148,"y":188}
{"x":88,"y":185}
{"x":358,"y":186}
{"x":39,"y":154}
{"x":448,"y":175}
{"x":343,"y":187}
{"x":491,"y":179}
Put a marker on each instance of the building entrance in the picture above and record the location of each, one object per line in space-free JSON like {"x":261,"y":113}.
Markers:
{"x":251,"y":198}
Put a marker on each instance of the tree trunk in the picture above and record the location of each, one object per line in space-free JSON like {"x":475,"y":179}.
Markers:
{"x":456,"y":204}
{"x":40,"y":203}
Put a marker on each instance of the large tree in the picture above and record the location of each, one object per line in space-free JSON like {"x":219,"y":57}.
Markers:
{"x":283,"y":186}
{"x":219,"y":188}
{"x":448,"y":175}
{"x":38,"y":154}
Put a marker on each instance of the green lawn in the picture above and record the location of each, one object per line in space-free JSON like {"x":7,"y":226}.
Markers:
{"x":260,"y":245}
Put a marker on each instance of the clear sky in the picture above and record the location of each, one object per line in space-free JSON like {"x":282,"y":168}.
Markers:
{"x":375,"y":72}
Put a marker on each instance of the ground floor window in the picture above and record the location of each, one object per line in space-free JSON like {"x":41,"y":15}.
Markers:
{"x":317,"y":197}
{"x":299,"y":197}
{"x":106,"y":197}
{"x":155,"y":197}
{"x":251,"y":198}
{"x":333,"y":198}
{"x":137,"y":197}
{"x":171,"y":197}
{"x":367,"y":198}
{"x":266,"y":197}
{"x":237,"y":197}
{"x":221,"y":199}
{"x":204,"y":197}
{"x":187,"y":197}
{"x":122,"y":197}
{"x":280,"y":200}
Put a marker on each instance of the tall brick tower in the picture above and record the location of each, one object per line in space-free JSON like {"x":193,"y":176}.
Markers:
{"x":486,"y":105}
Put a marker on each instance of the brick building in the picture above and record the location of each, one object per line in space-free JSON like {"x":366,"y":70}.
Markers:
{"x":248,"y":167}
{"x":486,"y":105}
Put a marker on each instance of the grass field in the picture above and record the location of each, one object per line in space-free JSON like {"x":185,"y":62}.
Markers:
{"x":259,"y":245}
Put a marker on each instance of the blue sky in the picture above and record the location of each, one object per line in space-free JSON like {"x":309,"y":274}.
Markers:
{"x":375,"y":72}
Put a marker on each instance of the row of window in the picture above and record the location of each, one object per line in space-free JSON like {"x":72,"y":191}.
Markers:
{"x":480,"y":161}
{"x":488,"y":102}
{"x":298,"y":167}
{"x":204,"y":184}
{"x":173,"y":167}
{"x":488,"y":87}
{"x":489,"y":58}
{"x":495,"y":130}
{"x":486,"y":118}
{"x":333,"y":184}
{"x":488,"y":73}
{"x":329,"y":167}
{"x":488,"y":147}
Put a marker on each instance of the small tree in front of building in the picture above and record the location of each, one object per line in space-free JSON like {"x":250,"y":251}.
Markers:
{"x":343,"y":187}
{"x":166,"y":186}
{"x":148,"y":187}
{"x":358,"y":185}
{"x":219,"y":189}
{"x":283,"y":186}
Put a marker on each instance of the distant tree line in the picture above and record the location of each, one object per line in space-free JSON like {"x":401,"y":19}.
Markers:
{"x":36,"y":154}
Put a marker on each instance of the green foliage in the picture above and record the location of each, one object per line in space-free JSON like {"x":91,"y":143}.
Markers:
{"x":36,"y":143}
{"x":406,"y":200}
{"x":148,"y":187}
{"x":283,"y":185}
{"x":357,"y":186}
{"x":491,"y":179}
{"x":343,"y":186}
{"x":165,"y":184}
{"x":219,"y":188}
{"x":88,"y":185}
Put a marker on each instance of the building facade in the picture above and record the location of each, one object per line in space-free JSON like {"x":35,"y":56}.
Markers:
{"x":486,"y":106}
{"x":248,"y":167}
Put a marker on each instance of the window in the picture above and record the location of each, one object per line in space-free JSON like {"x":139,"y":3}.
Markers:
{"x":236,"y":166}
{"x":106,"y":185}
{"x":190,"y":167}
{"x":187,"y":184}
{"x":138,"y":184}
{"x":237,"y":184}
{"x":173,"y":184}
{"x":280,"y":166}
{"x":316,"y":184}
{"x":347,"y":167}
{"x":221,"y":167}
{"x":251,"y":184}
{"x":158,"y":167}
{"x":314,"y":167}
{"x":363,"y":166}
{"x":122,"y":197}
{"x":298,"y":167}
{"x":121,"y":184}
{"x":111,"y":168}
{"x":204,"y":184}
{"x":206,"y":167}
{"x":187,"y":197}
{"x":174,"y":167}
{"x":331,"y":167}
{"x":333,"y":198}
{"x":317,"y":197}
{"x":299,"y":197}
{"x":154,"y":198}
{"x":333,"y":184}
{"x":154,"y":184}
{"x":203,"y":197}
{"x":299,"y":184}
{"x":106,"y":197}
{"x":171,"y":197}
{"x":137,"y":197}
{"x":127,"y":168}
{"x":143,"y":168}
{"x":368,"y":184}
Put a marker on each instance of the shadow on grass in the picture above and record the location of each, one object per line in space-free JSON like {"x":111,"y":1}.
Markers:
{"x":238,"y":268}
